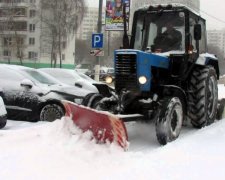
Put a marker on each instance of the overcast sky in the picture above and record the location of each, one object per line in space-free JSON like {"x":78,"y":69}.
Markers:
{"x":215,"y":8}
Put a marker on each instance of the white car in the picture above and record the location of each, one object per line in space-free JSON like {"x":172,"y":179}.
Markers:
{"x":72,"y":77}
{"x":3,"y":114}
{"x":82,"y":81}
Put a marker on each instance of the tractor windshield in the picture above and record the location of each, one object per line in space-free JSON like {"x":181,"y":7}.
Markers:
{"x":160,"y":32}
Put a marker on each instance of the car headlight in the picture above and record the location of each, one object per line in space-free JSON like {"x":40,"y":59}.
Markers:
{"x":108,"y":79}
{"x":142,"y":79}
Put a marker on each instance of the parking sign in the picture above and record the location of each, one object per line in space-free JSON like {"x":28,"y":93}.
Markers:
{"x":97,"y":40}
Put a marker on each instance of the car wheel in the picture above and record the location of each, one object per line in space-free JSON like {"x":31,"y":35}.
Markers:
{"x":3,"y":120}
{"x":51,"y":112}
{"x":87,"y":99}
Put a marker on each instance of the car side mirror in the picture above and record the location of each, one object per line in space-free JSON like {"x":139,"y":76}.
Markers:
{"x":27,"y":83}
{"x":197,"y":32}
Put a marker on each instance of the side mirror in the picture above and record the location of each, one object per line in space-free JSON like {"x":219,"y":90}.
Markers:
{"x":27,"y":83}
{"x":197,"y":32}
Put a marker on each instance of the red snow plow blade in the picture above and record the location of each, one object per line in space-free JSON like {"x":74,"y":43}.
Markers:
{"x":105,"y":127}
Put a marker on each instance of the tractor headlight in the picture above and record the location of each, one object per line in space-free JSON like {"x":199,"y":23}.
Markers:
{"x":142,"y":79}
{"x":108,"y":79}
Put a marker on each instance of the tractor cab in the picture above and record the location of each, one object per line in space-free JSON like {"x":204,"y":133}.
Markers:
{"x":160,"y":29}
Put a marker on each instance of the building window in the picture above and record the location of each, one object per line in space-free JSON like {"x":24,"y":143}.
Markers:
{"x":21,"y":26}
{"x":19,"y":40}
{"x":6,"y":53}
{"x":7,"y":41}
{"x":63,"y":57}
{"x":19,"y":12}
{"x":19,"y":54}
{"x":32,"y":55}
{"x":32,"y":13}
{"x":64,"y":44}
{"x":32,"y":41}
{"x":32,"y":27}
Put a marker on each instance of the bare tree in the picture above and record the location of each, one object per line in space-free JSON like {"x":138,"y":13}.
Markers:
{"x":61,"y":19}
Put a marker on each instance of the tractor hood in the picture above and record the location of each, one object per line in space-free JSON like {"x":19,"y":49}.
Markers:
{"x":131,"y":65}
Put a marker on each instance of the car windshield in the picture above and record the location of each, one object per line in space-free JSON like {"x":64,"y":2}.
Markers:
{"x":152,"y":28}
{"x":40,"y":77}
{"x":67,"y":76}
{"x":86,"y":77}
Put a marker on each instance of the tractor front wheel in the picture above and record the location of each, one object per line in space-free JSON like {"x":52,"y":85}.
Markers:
{"x":169,"y":122}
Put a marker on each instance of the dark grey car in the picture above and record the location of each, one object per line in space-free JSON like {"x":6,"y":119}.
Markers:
{"x":32,"y":95}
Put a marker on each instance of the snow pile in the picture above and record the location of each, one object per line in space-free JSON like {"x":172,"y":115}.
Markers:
{"x":58,"y":150}
{"x":45,"y":150}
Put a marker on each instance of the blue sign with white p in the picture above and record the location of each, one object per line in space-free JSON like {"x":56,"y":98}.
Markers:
{"x":97,"y":40}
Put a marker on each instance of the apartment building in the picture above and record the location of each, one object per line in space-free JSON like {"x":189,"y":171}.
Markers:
{"x":19,"y":31}
{"x":22,"y":34}
{"x":89,"y":24}
{"x":216,"y":38}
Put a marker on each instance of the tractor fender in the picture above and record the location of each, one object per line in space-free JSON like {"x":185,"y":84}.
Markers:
{"x":176,"y":91}
{"x":209,"y":59}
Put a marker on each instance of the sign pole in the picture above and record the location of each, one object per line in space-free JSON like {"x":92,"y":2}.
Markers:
{"x":97,"y":62}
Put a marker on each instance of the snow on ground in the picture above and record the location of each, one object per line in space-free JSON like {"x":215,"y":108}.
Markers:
{"x":58,"y":150}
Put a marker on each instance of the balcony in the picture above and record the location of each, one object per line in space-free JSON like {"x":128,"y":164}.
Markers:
{"x":18,"y":3}
{"x":14,"y":13}
{"x":9,"y":28}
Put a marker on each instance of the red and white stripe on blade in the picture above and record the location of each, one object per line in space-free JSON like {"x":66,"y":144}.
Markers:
{"x":105,"y":127}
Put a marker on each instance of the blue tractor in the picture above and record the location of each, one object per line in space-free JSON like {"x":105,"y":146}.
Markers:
{"x":168,"y":78}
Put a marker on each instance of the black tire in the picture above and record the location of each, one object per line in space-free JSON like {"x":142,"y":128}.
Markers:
{"x":221,"y":109}
{"x":169,"y":122}
{"x":3,"y":121}
{"x":51,"y":112}
{"x":92,"y":100}
{"x":202,"y":97}
{"x":87,"y":99}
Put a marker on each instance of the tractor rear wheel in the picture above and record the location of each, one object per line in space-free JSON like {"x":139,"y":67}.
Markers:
{"x":169,"y":122}
{"x":202,"y":97}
